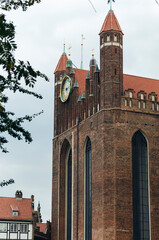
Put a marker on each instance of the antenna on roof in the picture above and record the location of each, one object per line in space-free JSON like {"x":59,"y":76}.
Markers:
{"x":92,"y":5}
{"x":82,"y":51}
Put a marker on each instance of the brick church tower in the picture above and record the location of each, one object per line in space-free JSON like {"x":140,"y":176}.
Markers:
{"x":105,"y":148}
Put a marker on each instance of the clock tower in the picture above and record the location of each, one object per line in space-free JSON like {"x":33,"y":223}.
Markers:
{"x":105,"y":148}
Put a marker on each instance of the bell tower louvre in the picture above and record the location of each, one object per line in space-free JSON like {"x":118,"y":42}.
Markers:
{"x":105,"y":148}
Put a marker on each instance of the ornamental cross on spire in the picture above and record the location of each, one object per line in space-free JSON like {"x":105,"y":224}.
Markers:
{"x":110,"y":1}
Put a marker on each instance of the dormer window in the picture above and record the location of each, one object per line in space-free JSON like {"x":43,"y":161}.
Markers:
{"x":108,"y":38}
{"x":115,"y":38}
{"x":15,"y":211}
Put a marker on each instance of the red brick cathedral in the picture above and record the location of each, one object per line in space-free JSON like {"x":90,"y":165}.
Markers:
{"x":105,"y":148}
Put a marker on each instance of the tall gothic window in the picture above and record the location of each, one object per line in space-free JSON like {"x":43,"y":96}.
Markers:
{"x":88,"y":192}
{"x":141,"y":221}
{"x":69,"y":196}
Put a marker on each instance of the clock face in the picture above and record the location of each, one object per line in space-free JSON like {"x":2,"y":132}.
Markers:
{"x":66,"y":88}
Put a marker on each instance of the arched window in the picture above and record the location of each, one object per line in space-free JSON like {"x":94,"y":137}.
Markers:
{"x":65,"y":192}
{"x":88,"y":191}
{"x":68,"y":196}
{"x":141,"y":221}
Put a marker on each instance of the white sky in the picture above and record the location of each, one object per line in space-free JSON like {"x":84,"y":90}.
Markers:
{"x":40,"y":34}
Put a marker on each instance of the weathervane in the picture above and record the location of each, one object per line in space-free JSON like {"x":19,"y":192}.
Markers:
{"x":110,"y":1}
{"x":69,"y":49}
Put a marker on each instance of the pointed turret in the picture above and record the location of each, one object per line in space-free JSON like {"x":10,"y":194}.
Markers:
{"x":111,"y":62}
{"x":61,"y":66}
{"x":110,"y":23}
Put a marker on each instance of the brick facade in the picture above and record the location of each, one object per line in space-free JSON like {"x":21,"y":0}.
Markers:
{"x":109,"y":115}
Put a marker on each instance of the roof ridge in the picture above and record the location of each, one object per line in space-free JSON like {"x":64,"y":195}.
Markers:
{"x":141,"y":77}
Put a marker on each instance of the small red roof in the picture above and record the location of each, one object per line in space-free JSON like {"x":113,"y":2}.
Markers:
{"x":23,"y":206}
{"x":80,"y":76}
{"x":42,"y":227}
{"x":110,"y":23}
{"x":61,"y":66}
{"x":140,"y":83}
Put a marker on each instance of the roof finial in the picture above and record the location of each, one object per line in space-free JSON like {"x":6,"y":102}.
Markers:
{"x":64,"y":45}
{"x":82,"y":51}
{"x":110,"y":1}
{"x":69,"y":49}
{"x":93,"y":52}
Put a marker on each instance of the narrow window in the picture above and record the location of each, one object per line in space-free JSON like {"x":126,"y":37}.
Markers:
{"x":108,"y":38}
{"x":116,"y":50}
{"x":130,"y":103}
{"x":130,"y":95}
{"x":115,"y":38}
{"x":153,"y":98}
{"x":126,"y":102}
{"x":139,"y":104}
{"x":69,"y":195}
{"x":88,"y":192}
{"x":144,"y":105}
{"x":140,"y":188}
{"x":142,"y":96}
{"x":157,"y":107}
{"x":115,"y":71}
{"x":153,"y":106}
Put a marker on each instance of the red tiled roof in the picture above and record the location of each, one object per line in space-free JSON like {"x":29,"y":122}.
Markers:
{"x":61,"y":66}
{"x":42,"y":227}
{"x":24,"y":208}
{"x":140,"y":83}
{"x":110,"y":23}
{"x":129,"y":81}
{"x":80,"y":76}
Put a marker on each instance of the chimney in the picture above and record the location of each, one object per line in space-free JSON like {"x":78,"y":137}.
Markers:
{"x":18,"y":195}
{"x":32,"y":201}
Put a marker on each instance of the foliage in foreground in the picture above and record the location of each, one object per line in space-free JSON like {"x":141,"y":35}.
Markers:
{"x":6,"y":183}
{"x":18,"y":76}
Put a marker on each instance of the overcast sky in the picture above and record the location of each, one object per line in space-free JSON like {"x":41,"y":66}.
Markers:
{"x":40,"y":34}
